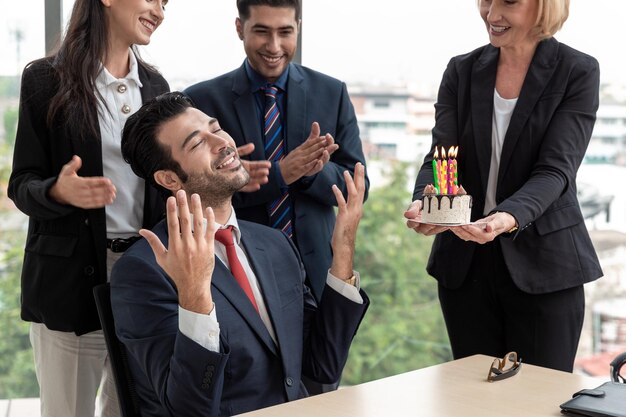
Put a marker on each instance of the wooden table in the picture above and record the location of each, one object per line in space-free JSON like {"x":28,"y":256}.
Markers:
{"x":456,"y":388}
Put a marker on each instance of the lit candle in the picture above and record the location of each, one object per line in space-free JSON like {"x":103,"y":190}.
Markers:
{"x":451,"y":189}
{"x":456,"y":170}
{"x":436,"y":162}
{"x":443,"y":182}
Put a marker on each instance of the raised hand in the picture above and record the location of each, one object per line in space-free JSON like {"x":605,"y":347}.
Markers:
{"x":348,"y":217}
{"x":308,"y":158}
{"x":81,"y":192}
{"x":189,"y":258}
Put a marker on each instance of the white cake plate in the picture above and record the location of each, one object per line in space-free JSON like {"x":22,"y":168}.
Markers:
{"x":445,"y":224}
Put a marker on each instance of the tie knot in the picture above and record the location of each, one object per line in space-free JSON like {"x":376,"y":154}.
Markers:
{"x":270,"y":91}
{"x":225,"y":236}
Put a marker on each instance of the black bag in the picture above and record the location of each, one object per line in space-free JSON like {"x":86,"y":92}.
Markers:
{"x":607,"y":400}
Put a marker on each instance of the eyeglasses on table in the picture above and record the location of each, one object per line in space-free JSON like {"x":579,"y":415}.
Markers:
{"x":504,"y":368}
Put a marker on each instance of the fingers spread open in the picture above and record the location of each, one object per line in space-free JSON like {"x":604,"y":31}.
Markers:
{"x":173,"y":226}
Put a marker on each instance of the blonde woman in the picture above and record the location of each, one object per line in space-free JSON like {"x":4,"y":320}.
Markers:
{"x":521,"y":110}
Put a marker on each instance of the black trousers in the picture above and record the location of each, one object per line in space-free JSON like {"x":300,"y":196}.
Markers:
{"x":489,"y":315}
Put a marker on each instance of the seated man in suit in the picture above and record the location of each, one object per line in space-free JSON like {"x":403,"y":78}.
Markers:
{"x":214,"y":328}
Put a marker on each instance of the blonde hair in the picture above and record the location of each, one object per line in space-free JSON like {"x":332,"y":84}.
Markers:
{"x":552,"y":14}
{"x":550,"y":18}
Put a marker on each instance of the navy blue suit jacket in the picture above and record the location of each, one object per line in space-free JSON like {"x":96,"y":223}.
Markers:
{"x":544,"y":145}
{"x":176,"y":376}
{"x":311,"y":96}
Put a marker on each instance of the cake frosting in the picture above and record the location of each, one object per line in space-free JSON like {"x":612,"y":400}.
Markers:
{"x":446,"y":208}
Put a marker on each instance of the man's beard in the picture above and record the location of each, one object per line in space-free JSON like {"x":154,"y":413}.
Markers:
{"x":215,"y":189}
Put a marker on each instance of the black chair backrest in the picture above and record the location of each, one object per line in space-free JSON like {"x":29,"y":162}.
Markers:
{"x":127,"y":395}
{"x":616,"y":367}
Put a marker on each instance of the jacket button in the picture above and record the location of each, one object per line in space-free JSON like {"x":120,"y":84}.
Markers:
{"x":86,"y":222}
{"x":289,"y":381}
{"x":89,"y":270}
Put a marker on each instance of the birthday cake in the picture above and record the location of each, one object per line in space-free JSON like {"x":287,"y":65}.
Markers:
{"x":445,"y":202}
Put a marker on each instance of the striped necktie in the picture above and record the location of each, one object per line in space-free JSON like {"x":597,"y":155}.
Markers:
{"x":279,"y":209}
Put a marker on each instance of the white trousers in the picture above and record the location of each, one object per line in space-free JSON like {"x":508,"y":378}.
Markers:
{"x":71,"y":368}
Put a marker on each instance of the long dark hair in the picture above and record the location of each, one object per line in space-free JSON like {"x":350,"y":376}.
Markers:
{"x":77,"y":63}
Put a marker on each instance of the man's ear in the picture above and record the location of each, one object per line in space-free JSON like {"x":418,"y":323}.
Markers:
{"x":106,"y":3}
{"x":168,"y":179}
{"x":239,"y":26}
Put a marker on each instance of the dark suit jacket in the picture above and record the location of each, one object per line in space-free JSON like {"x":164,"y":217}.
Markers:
{"x":311,"y":96}
{"x":176,"y":376}
{"x":544,"y":145}
{"x":65,"y":253}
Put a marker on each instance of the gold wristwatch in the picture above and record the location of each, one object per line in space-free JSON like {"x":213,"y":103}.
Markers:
{"x":351,"y":280}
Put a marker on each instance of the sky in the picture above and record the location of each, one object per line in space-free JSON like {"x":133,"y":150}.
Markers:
{"x":389,"y":42}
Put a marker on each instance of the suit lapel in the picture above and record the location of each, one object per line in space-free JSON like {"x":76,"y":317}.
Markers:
{"x":296,"y":109}
{"x":262,"y":266}
{"x":483,"y":82}
{"x":245,"y":107}
{"x":539,"y":73}
{"x":225,"y":283}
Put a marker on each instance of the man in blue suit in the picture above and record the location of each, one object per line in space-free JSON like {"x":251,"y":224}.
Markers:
{"x":202,"y":340}
{"x":308,"y":102}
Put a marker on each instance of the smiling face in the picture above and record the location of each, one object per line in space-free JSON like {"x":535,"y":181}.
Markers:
{"x":510,"y":23}
{"x":207,"y":156}
{"x":270,"y":38}
{"x":132,"y":22}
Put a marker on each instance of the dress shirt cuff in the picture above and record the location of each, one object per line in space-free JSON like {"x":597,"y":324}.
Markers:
{"x":203,"y":329}
{"x":351,"y":292}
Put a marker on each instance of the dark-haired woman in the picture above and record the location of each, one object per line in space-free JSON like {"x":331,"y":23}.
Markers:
{"x":84,"y":204}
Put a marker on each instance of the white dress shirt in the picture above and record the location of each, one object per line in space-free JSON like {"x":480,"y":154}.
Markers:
{"x":124,"y":217}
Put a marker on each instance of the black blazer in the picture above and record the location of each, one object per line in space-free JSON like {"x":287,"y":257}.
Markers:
{"x":65,"y":254}
{"x":311,"y":96}
{"x":175,"y":376}
{"x":544,"y":145}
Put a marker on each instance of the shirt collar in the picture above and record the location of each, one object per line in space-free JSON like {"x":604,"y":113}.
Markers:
{"x":232,"y":221}
{"x":257,"y":81}
{"x":105,"y":79}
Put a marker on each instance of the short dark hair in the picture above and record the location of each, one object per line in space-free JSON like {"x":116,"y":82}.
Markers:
{"x":140,"y":147}
{"x":243,"y":6}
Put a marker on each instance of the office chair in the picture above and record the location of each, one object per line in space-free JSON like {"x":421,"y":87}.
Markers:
{"x":127,"y":395}
{"x":616,"y":367}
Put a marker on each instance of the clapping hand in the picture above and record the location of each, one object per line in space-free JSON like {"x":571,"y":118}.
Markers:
{"x":259,"y":170}
{"x":81,"y":192}
{"x":309,"y":158}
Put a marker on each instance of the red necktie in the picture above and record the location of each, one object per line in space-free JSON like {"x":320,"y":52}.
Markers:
{"x":225,"y":237}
